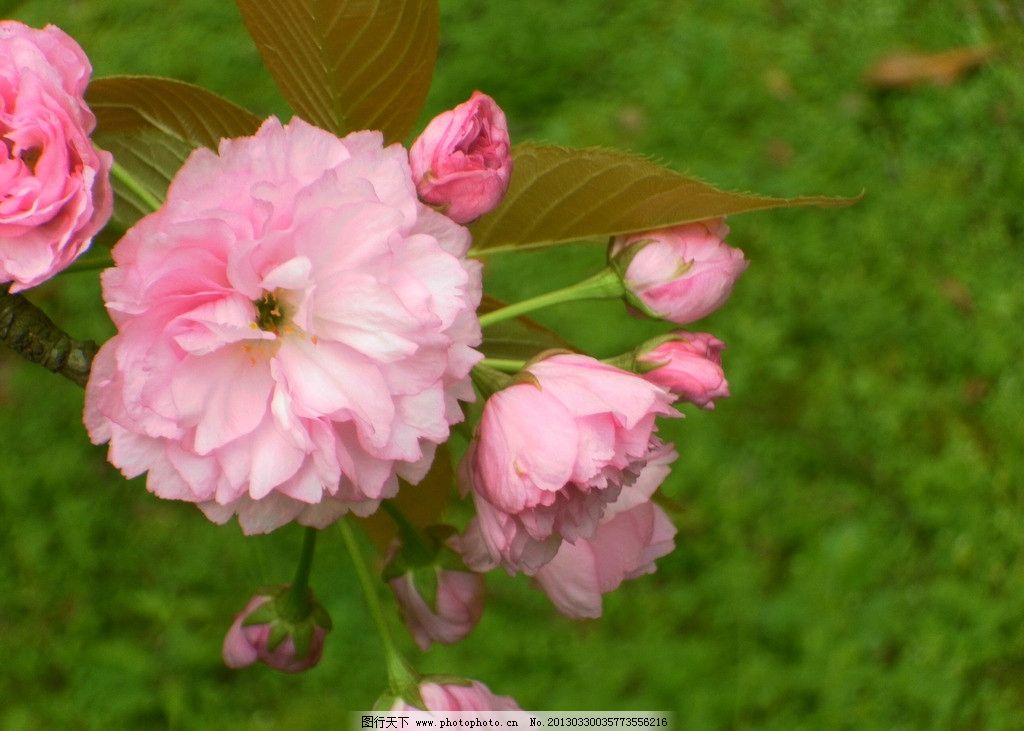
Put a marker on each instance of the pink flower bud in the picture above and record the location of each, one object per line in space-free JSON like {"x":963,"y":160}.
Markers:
{"x":471,"y":695}
{"x":632,"y":534}
{"x":690,"y":366}
{"x":446,"y":617}
{"x":272,"y":640}
{"x":551,"y":453}
{"x":462,"y":162}
{"x":55,"y":190}
{"x":679,"y":274}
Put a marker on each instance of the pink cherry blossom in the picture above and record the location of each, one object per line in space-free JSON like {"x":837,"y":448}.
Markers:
{"x":462,"y":161}
{"x":632,"y":534}
{"x":690,"y":366}
{"x":295,"y":330}
{"x":244,"y":645}
{"x":457,"y":609}
{"x":472,"y":695}
{"x":679,"y":274}
{"x":552,"y":451}
{"x":55,"y":190}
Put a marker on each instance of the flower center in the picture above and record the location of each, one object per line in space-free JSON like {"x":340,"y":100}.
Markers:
{"x":29,"y":156}
{"x":269,"y":313}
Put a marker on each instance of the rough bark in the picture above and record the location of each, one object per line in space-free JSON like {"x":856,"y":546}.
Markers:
{"x":27,"y":330}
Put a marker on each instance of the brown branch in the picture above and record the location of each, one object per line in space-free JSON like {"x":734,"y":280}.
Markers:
{"x":27,"y":330}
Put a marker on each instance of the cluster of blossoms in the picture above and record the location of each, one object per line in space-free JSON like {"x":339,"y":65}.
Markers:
{"x":297,"y":328}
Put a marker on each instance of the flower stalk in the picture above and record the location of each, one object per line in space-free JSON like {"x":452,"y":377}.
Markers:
{"x":606,"y":284}
{"x":403,"y":681}
{"x":298,"y":601}
{"x":505,"y":365}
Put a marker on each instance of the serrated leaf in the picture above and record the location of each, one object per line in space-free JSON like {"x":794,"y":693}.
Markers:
{"x":519,"y":338}
{"x":347,"y":65}
{"x":561,"y":194}
{"x":421,"y":504}
{"x":151,"y":124}
{"x":184,"y":111}
{"x":153,"y":158}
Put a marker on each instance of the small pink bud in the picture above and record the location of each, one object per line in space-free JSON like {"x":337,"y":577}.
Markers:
{"x":462,"y":162}
{"x":470,"y":695}
{"x":678,"y":274}
{"x":260,"y":633}
{"x":690,"y":366}
{"x":446,"y":617}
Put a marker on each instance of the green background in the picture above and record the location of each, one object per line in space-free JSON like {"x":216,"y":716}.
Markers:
{"x":850,"y":521}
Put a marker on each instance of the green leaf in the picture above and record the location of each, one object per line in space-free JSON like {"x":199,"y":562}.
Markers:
{"x":151,"y":124}
{"x":560,"y":194}
{"x":184,"y":111}
{"x":349,"y":64}
{"x":153,"y":158}
{"x":519,"y":338}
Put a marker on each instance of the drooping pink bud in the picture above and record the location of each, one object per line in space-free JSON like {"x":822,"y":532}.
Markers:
{"x":261,"y":633}
{"x":470,"y":695}
{"x":446,"y":617}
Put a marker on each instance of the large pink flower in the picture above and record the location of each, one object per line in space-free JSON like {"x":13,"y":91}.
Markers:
{"x":472,"y":695}
{"x":632,"y":534}
{"x":54,"y":185}
{"x":551,"y":452}
{"x":680,"y":274}
{"x":294,"y":331}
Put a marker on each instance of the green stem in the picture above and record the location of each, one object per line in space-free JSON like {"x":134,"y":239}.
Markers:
{"x":125,"y":178}
{"x":402,"y":679}
{"x":603,"y":285}
{"x":507,"y":365}
{"x":298,"y":595}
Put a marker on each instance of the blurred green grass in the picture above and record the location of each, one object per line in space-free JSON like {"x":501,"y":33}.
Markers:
{"x":850,"y":547}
